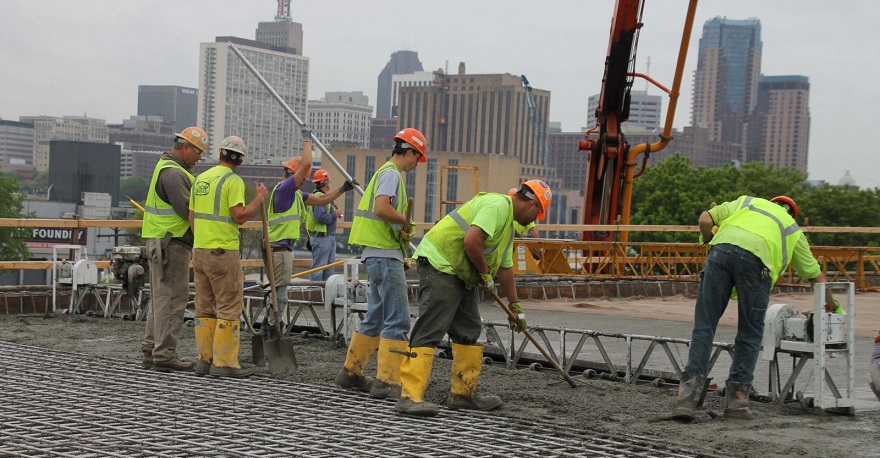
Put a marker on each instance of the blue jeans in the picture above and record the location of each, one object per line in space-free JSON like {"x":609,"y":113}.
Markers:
{"x":388,"y":302}
{"x":729,"y":266}
{"x":323,"y":253}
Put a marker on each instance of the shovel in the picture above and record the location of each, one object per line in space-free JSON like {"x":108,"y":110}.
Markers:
{"x":277,"y":349}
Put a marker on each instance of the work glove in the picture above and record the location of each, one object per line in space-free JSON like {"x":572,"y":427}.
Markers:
{"x":349,"y":185}
{"x":835,"y":309}
{"x":405,"y":236}
{"x":518,"y":324}
{"x":306,"y":132}
{"x":487,"y":283}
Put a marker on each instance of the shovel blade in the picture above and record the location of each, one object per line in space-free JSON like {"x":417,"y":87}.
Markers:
{"x":258,"y":350}
{"x":280,"y":355}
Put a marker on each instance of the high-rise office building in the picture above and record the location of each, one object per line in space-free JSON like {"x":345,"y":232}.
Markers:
{"x":410,"y":79}
{"x":233,"y":102}
{"x":74,"y":128}
{"x":382,"y":132}
{"x":401,"y":63}
{"x":175,"y":104}
{"x":486,"y":114}
{"x":342,"y":118}
{"x":282,"y":31}
{"x":779,"y":131}
{"x":16,"y":142}
{"x":726,"y":78}
{"x":644,"y":110}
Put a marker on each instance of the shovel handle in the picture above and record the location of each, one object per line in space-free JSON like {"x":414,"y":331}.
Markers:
{"x":535,"y":341}
{"x":269,"y":266}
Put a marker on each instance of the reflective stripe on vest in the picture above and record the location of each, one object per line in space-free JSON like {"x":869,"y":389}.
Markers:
{"x":312,"y":224}
{"x":367,"y":228}
{"x":159,"y":216}
{"x":783,"y":230}
{"x":448,"y":237}
{"x":215,"y":216}
{"x":285,"y":225}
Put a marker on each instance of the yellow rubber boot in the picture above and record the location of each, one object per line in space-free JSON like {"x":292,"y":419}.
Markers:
{"x":467,"y":360}
{"x":205,"y":328}
{"x":390,"y":357}
{"x":360,"y":351}
{"x":415,"y":373}
{"x":226,"y":344}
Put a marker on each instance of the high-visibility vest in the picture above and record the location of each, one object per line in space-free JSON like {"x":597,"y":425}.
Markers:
{"x":159,"y":216}
{"x":312,"y":223}
{"x":367,"y":229}
{"x":285,"y":225}
{"x":448,"y":237}
{"x":770,"y":222}
{"x":214,"y":226}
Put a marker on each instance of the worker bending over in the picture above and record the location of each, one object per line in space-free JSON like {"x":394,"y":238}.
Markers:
{"x":465,"y":250}
{"x":756,"y":239}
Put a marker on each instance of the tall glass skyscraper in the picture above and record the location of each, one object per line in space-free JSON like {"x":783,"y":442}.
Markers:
{"x":726,"y":79}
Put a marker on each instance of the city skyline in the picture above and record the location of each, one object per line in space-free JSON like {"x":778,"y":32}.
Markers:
{"x":104,"y":57}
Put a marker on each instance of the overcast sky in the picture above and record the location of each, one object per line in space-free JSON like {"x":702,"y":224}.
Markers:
{"x":88,"y":56}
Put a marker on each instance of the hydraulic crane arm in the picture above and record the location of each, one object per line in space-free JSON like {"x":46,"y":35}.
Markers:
{"x":611,"y":163}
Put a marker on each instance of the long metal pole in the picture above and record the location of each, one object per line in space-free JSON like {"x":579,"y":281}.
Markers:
{"x":292,"y":114}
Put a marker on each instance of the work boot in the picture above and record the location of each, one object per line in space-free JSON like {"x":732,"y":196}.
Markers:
{"x":226,"y":346}
{"x":204,"y":329}
{"x":467,"y":361}
{"x":147,"y":361}
{"x":415,"y":373}
{"x":688,"y":400}
{"x":360,"y":350}
{"x":389,"y":358}
{"x":736,"y":401}
{"x":175,"y":364}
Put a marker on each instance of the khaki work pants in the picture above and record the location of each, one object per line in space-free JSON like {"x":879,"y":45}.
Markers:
{"x":282,"y":267}
{"x":169,"y":294}
{"x":219,"y":283}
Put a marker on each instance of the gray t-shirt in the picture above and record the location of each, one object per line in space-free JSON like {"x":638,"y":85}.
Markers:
{"x":388,"y":184}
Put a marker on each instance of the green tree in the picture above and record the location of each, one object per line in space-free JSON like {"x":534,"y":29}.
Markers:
{"x":134,"y":187}
{"x":12,"y":247}
{"x":38,"y":184}
{"x":845,"y":207}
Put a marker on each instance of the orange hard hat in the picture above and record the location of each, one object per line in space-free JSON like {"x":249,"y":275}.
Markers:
{"x":538,"y":190}
{"x":511,"y":192}
{"x":414,"y":139}
{"x":194,"y":136}
{"x":787,"y":203}
{"x":321,"y":175}
{"x":293,"y":164}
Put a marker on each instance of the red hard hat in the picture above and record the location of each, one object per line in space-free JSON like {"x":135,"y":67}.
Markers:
{"x":413,"y":139}
{"x":787,"y":203}
{"x":321,"y":175}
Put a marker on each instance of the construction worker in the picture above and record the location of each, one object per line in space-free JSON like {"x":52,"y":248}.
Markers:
{"x":286,"y":210}
{"x":378,"y":226}
{"x":169,"y":240}
{"x":321,"y":226}
{"x":527,"y":230}
{"x":465,"y":250}
{"x":216,"y":210}
{"x":753,"y":244}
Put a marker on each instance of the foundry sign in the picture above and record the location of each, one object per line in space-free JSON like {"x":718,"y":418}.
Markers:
{"x":56,"y":235}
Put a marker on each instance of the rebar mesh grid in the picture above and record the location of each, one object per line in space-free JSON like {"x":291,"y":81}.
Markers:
{"x":54,"y":403}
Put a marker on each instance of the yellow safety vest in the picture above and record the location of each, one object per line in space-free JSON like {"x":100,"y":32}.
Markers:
{"x":285,"y":225}
{"x":770,"y":222}
{"x":159,"y":216}
{"x":214,"y":226}
{"x":367,"y":229}
{"x":312,"y":224}
{"x":448,"y":237}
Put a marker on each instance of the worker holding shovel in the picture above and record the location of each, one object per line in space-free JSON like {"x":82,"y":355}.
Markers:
{"x":465,"y":250}
{"x":286,"y":211}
